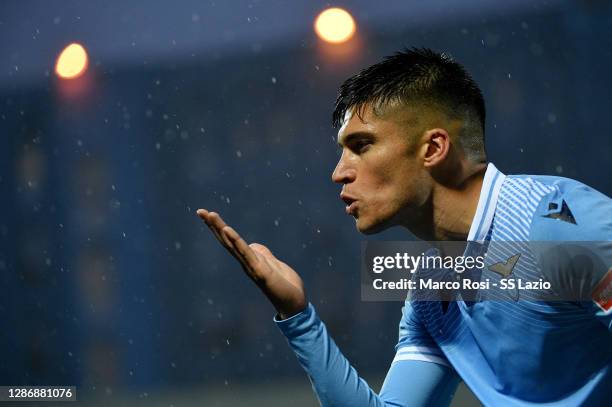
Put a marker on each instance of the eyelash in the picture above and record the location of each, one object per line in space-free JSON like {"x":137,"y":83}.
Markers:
{"x":361,"y":146}
{"x":357,"y":147}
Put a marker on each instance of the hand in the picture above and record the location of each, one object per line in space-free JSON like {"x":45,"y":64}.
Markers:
{"x":279,"y":282}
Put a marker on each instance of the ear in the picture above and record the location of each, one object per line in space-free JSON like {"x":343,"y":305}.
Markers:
{"x":436,"y":145}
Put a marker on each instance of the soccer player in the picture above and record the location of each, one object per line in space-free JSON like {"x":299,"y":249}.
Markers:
{"x":411,"y":130}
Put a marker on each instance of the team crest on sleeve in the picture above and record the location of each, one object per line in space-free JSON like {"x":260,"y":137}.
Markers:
{"x":505,"y":268}
{"x":563,"y":213}
{"x":602,"y":294}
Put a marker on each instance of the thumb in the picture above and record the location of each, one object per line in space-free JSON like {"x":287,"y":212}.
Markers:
{"x":261,"y":249}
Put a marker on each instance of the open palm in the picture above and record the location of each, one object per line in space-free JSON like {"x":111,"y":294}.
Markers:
{"x":279,"y":282}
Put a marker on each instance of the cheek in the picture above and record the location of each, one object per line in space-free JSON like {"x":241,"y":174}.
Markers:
{"x":384,"y":201}
{"x":390,"y":180}
{"x":400,"y":187}
{"x":384,"y":178}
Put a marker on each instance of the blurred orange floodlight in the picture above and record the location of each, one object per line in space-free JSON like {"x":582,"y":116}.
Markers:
{"x":335,"y":25}
{"x":72,"y":62}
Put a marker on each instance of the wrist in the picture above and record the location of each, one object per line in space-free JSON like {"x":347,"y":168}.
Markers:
{"x":288,"y":313}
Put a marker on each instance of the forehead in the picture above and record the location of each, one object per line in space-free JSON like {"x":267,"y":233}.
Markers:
{"x":349,"y":123}
{"x":367,"y":121}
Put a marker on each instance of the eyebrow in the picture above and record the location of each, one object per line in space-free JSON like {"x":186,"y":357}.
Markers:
{"x":354,"y":136}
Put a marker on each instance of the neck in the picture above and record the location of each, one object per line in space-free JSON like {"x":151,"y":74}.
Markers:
{"x":454,"y":207}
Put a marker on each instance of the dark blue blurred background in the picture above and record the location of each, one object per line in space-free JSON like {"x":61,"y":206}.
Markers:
{"x":110,"y":282}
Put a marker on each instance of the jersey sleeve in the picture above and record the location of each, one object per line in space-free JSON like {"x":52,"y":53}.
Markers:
{"x":576,"y":223}
{"x":414,"y":342}
{"x":409,"y":382}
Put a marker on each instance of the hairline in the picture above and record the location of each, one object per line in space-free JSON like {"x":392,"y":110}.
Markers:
{"x":470,"y":123}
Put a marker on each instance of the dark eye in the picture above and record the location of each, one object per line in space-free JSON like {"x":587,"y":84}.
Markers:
{"x":362,"y":146}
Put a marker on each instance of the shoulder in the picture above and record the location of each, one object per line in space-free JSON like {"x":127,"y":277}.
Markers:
{"x":566,"y":209}
{"x":570,"y":231}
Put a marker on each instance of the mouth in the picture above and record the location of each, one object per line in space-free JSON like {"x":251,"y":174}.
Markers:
{"x":352,"y":209}
{"x":351,"y":204}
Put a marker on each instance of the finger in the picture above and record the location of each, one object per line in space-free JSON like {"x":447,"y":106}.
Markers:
{"x":220,"y":229}
{"x":219,"y":237}
{"x":229,"y":246}
{"x":215,"y":220}
{"x":205,"y":216}
{"x":217,"y":224}
{"x":249,"y":258}
{"x":242,"y":247}
{"x":202,"y":213}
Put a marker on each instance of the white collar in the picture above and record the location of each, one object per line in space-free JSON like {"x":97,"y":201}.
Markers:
{"x":491,"y":184}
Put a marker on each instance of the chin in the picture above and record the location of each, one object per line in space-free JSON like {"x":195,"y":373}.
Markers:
{"x":369,"y":228}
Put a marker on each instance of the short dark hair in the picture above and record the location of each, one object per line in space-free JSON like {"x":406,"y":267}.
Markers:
{"x":421,"y":75}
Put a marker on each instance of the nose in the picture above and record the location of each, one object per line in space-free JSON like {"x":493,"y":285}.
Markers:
{"x":344,"y":173}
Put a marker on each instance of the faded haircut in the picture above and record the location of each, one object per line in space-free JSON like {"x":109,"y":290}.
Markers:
{"x":423,"y":76}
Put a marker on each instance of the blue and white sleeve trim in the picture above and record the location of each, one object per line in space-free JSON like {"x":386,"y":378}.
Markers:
{"x":421,"y":353}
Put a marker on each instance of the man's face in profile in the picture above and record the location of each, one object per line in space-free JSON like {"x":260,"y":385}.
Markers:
{"x":384,"y":183}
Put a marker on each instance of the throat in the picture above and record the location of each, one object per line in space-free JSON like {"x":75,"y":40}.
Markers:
{"x":454,"y":209}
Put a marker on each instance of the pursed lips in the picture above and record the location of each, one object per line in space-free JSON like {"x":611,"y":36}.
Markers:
{"x":351,"y":203}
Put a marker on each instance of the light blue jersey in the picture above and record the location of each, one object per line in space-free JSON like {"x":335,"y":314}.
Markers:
{"x":515,"y":352}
